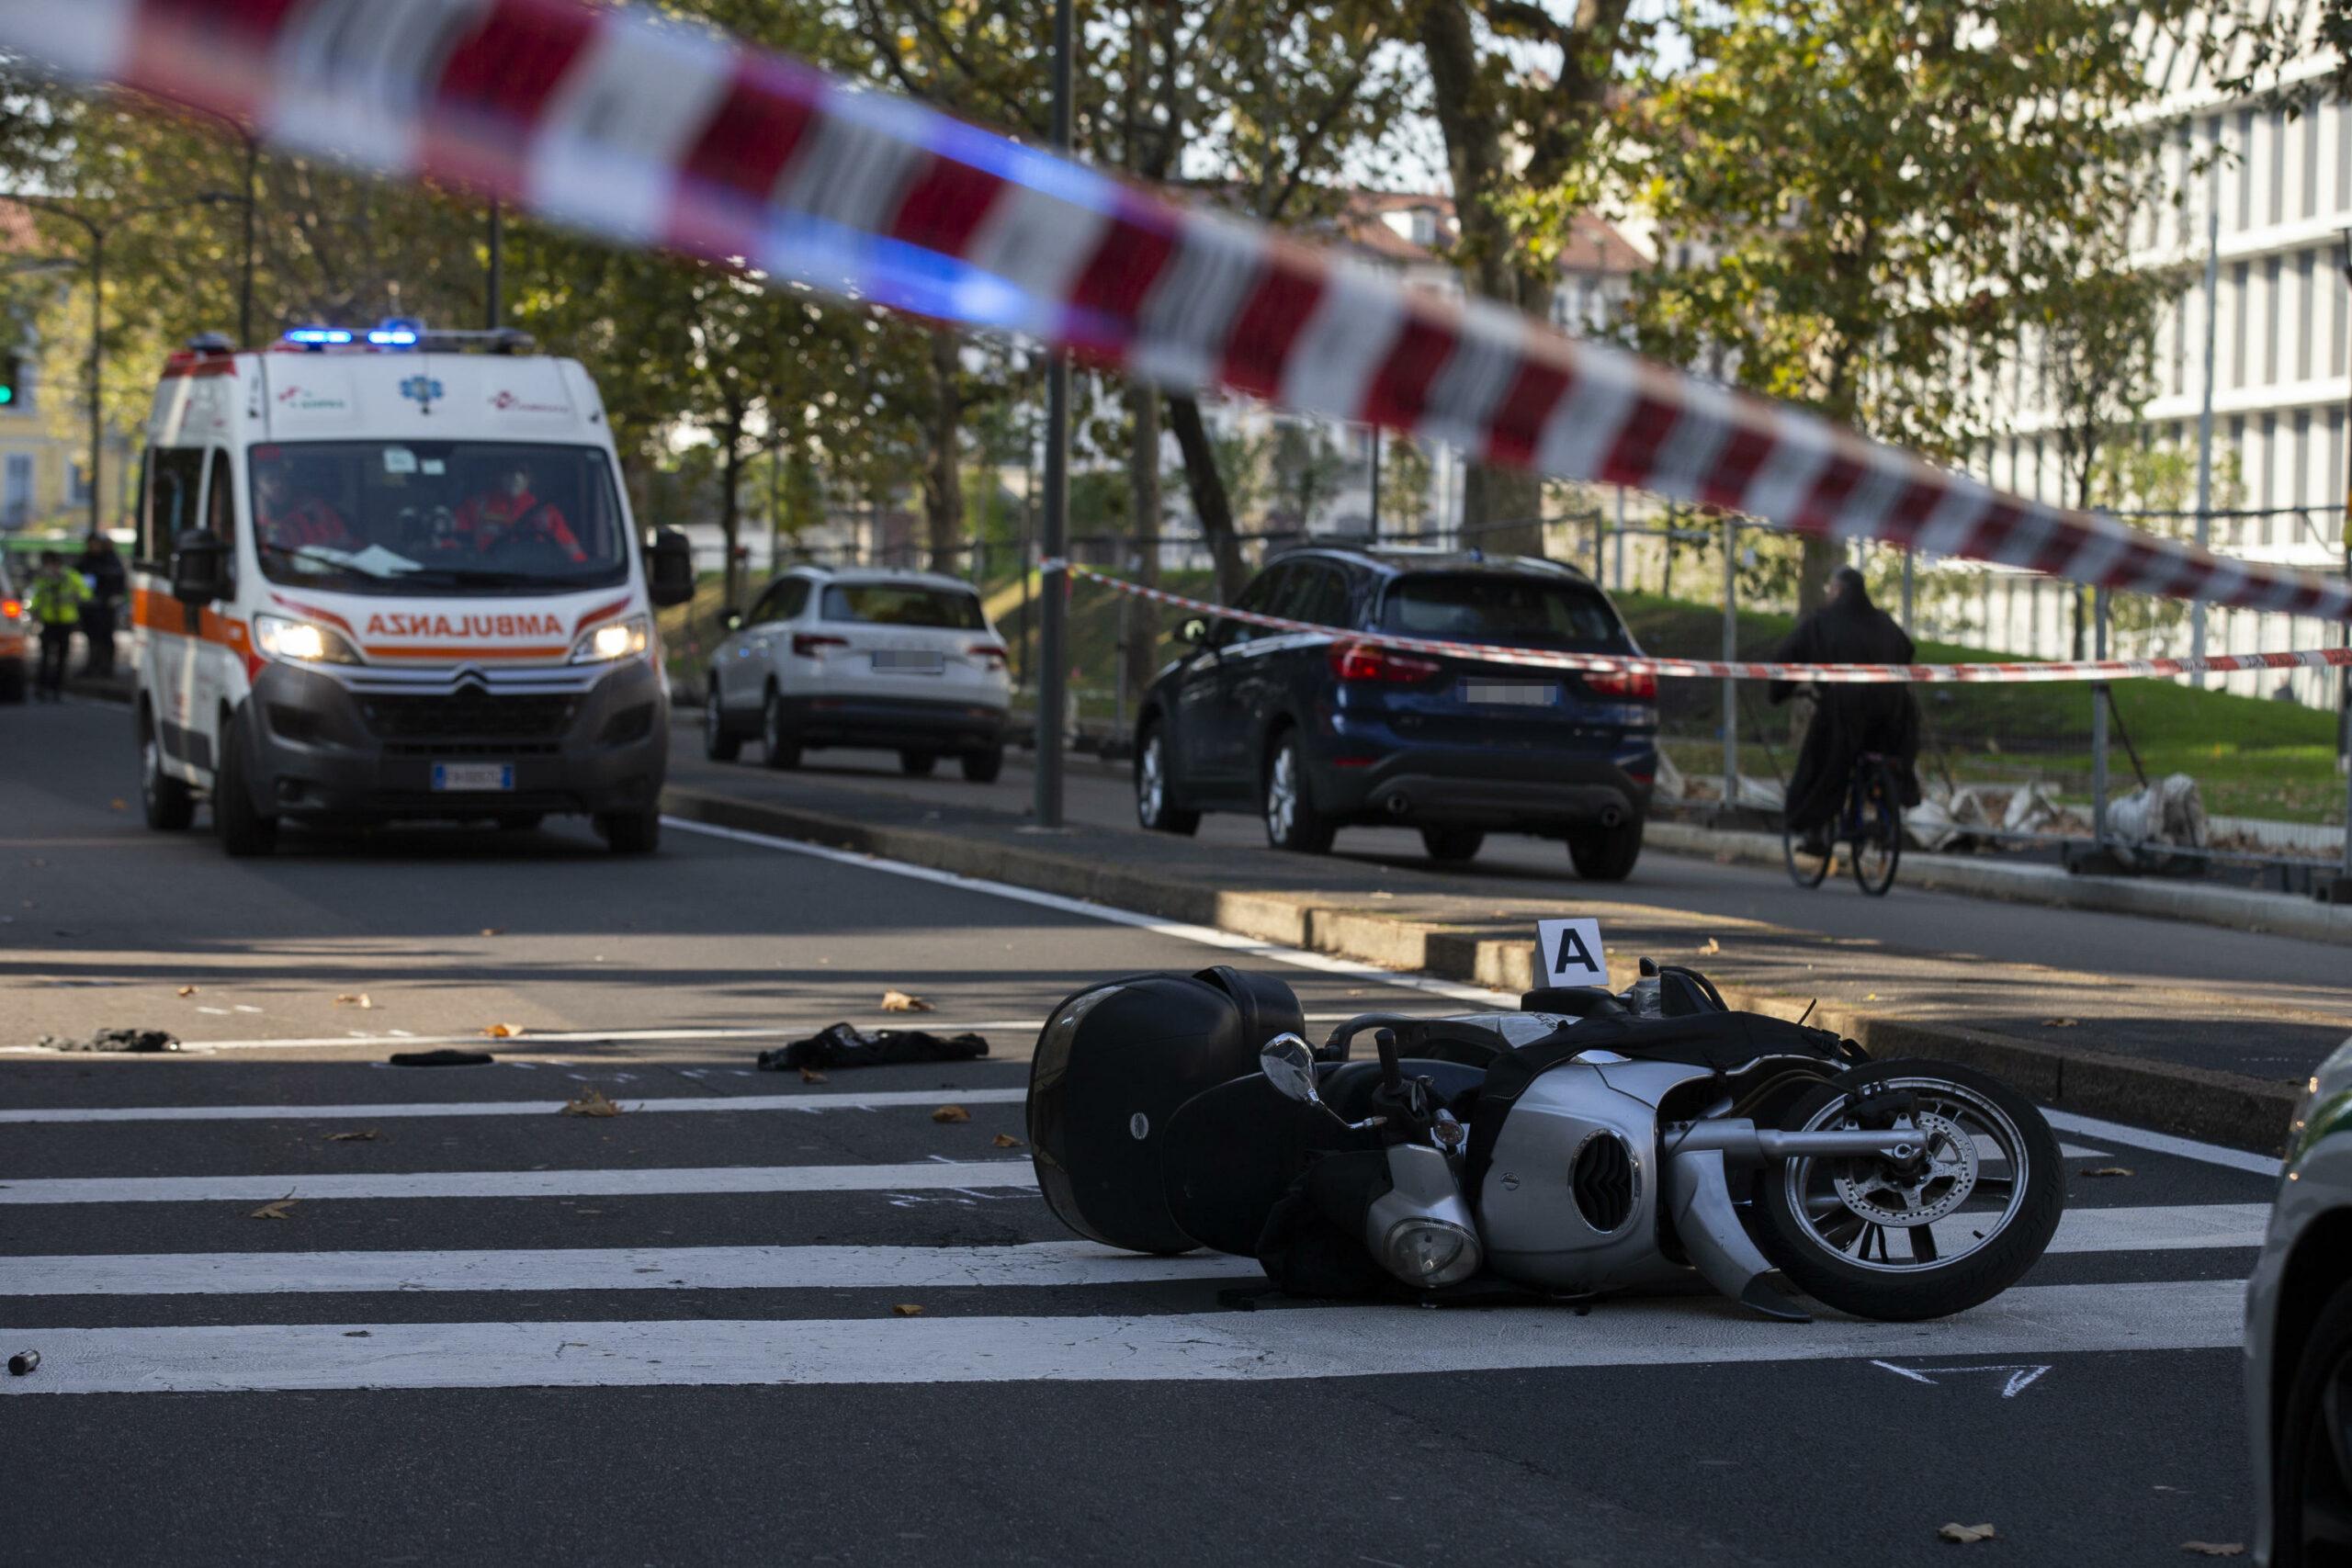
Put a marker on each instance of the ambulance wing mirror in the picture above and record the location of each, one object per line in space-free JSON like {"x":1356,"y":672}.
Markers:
{"x":199,"y":567}
{"x":669,"y":568}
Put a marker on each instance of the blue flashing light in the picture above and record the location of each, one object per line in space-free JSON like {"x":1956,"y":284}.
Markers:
{"x":399,"y":333}
{"x":318,"y":337}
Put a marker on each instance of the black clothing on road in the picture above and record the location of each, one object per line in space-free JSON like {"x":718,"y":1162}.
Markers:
{"x":1848,"y":720}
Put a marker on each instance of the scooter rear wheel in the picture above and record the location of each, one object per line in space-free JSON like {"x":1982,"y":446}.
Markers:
{"x":1949,"y":1231}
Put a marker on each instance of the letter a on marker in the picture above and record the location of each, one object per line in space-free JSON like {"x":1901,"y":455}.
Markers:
{"x":1571,"y":952}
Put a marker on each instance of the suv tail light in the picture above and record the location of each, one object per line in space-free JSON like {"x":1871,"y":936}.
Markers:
{"x":807,"y":645}
{"x":1367,"y":661}
{"x":988,"y":653}
{"x":1634,"y":686}
{"x":11,"y":609}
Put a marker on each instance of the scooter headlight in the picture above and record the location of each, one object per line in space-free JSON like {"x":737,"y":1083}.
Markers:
{"x":1430,"y":1252}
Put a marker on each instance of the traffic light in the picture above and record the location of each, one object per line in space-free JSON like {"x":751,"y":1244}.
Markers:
{"x":9,"y":368}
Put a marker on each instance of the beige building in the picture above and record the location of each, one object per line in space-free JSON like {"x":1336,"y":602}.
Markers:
{"x":43,"y":428}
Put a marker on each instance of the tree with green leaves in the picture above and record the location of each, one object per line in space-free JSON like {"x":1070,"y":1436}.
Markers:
{"x":1876,"y":193}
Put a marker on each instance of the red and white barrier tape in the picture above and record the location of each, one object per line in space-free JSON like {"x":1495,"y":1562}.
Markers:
{"x":1744,"y":670}
{"x":653,"y":131}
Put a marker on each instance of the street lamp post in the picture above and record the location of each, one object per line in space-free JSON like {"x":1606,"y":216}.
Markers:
{"x":1053,"y":670}
{"x":97,"y":232}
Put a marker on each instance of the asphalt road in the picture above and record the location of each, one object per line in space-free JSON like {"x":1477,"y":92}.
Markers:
{"x":491,"y":1333}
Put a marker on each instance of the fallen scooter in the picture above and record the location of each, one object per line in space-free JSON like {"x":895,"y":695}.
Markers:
{"x":1591,"y":1143}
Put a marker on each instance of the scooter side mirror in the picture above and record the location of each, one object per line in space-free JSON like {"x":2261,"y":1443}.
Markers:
{"x":1289,"y":1066}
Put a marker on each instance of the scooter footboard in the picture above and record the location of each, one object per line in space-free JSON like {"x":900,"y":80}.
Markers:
{"x":1112,"y":1063}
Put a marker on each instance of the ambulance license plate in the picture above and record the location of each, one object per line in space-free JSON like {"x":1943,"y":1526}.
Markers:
{"x":470,"y":777}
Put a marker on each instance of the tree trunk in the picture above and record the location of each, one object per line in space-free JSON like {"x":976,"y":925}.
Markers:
{"x":730,"y":521}
{"x":1142,"y":616}
{"x":1206,"y":486}
{"x":1822,"y":556}
{"x":942,"y":484}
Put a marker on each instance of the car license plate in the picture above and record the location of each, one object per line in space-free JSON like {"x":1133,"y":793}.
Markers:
{"x":1518,"y":694}
{"x":907,"y":662}
{"x":472,"y":776}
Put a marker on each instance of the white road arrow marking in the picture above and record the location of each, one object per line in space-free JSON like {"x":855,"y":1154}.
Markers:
{"x":2020,"y":1377}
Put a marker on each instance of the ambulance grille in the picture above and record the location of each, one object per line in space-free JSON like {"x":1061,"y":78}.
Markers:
{"x":468,"y":714}
{"x":1602,"y":1179}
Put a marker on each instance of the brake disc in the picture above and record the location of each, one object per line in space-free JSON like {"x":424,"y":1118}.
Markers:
{"x":1940,"y":1184}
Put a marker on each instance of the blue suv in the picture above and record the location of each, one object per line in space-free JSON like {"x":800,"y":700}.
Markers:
{"x":1318,"y":730}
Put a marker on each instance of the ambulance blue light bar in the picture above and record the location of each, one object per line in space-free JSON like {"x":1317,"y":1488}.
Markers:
{"x":318,"y":337}
{"x":399,"y":333}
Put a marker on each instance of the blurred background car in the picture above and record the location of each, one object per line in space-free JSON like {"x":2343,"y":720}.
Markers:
{"x":2299,"y":1339}
{"x":1318,"y":730}
{"x":901,"y":660}
{"x":18,"y":637}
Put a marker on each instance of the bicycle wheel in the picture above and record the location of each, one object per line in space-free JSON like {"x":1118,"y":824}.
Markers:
{"x":1878,"y":828}
{"x":1807,"y":867}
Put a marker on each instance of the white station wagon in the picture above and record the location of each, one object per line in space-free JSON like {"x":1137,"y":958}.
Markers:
{"x":867,"y":656}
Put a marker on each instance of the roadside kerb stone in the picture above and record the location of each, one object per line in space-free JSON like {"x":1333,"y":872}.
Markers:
{"x":2163,"y":897}
{"x":2227,"y":1108}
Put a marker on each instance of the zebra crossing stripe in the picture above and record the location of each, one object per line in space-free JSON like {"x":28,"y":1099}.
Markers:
{"x":916,"y":1177}
{"x":2035,"y":1321}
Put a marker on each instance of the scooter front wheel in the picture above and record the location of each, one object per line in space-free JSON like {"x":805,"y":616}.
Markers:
{"x":1950,"y":1228}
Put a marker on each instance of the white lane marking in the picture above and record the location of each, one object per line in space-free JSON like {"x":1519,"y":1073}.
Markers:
{"x":2162,"y":1143}
{"x":2033,"y":1322}
{"x":522,"y":1183}
{"x":882,"y":1099}
{"x":2162,"y":1227}
{"x":1297,"y":958}
{"x":605,"y":1268}
{"x":531,"y":1039}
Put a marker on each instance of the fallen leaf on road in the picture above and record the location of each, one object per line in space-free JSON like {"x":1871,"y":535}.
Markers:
{"x":369,"y":1136}
{"x":2110,"y":1170}
{"x":1872,"y":996}
{"x":1382,"y":893}
{"x":2214,"y":1548}
{"x":118,"y":804}
{"x":2058,"y":1023}
{"x":899,"y":1001}
{"x":951,"y":1114}
{"x":505,"y":1031}
{"x":353,"y":1000}
{"x":1711,"y":948}
{"x":906,"y":1309}
{"x":1962,"y":1535}
{"x":1007,"y":1141}
{"x":810,"y":1074}
{"x":494,"y":931}
{"x":592,"y":1102}
{"x":273,"y":1210}
{"x":187,"y":990}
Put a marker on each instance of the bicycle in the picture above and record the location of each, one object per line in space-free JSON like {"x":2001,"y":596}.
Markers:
{"x":1870,"y":819}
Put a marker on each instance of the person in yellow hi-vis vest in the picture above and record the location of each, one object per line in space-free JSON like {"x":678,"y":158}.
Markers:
{"x":56,"y":597}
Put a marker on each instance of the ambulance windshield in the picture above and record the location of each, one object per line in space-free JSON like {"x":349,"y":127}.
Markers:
{"x":448,"y":516}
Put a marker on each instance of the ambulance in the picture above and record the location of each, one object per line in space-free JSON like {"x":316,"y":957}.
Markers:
{"x":390,"y":574}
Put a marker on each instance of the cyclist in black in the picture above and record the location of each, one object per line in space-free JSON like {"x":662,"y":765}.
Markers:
{"x":1847,"y":721}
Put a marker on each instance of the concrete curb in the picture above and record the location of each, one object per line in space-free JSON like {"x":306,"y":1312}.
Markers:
{"x":2224,"y":1107}
{"x":2048,"y":885}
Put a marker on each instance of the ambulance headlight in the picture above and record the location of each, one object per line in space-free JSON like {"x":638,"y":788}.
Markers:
{"x":299,"y":642}
{"x":620,"y":639}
